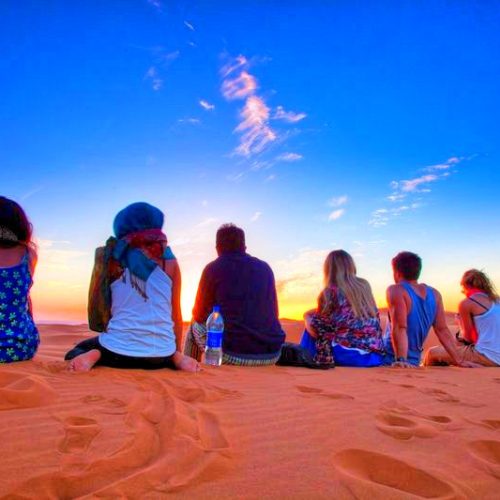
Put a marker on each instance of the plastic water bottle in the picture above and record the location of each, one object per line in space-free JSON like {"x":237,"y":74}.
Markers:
{"x":215,"y":330}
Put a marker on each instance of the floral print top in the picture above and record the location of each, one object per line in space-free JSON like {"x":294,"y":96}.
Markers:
{"x":335,"y":321}
{"x":18,"y":334}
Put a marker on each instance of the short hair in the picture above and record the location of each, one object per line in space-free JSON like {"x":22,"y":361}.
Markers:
{"x":230,"y":238}
{"x":408,"y":264}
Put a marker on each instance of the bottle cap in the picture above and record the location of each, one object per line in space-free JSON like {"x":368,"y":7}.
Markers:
{"x":216,"y":309}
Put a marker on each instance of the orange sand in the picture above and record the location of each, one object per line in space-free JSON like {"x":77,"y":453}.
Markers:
{"x":245,"y":432}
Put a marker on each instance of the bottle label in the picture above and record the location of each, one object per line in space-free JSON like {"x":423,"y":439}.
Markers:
{"x":214,"y":339}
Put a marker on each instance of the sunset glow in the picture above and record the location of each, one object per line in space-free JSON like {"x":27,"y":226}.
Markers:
{"x":354,"y":126}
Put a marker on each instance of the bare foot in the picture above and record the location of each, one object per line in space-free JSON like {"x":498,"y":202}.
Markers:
{"x":84,"y":362}
{"x":186,"y":363}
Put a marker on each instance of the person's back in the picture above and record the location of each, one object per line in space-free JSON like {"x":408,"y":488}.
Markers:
{"x":413,"y":309}
{"x":421,"y":315}
{"x":243,"y":287}
{"x":141,"y":327}
{"x":479,"y":319}
{"x":19,"y":337}
{"x":488,"y":329}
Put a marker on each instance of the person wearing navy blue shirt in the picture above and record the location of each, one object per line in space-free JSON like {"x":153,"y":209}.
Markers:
{"x":244,"y":289}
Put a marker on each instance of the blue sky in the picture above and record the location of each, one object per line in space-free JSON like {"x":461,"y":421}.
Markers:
{"x":369,"y":126}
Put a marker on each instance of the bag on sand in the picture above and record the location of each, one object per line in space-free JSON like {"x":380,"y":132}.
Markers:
{"x":296,"y":355}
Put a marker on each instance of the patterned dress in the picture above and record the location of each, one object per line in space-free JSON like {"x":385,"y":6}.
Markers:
{"x":336,"y":322}
{"x":18,"y":334}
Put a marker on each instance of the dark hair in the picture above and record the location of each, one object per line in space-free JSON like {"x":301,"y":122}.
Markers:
{"x":13,"y":219}
{"x":408,"y":264}
{"x":230,"y":238}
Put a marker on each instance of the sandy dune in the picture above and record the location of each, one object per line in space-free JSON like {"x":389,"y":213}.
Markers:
{"x":246,"y":432}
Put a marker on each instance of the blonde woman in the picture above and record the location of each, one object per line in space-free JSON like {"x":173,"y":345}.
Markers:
{"x":479,"y":321}
{"x":345,"y":327}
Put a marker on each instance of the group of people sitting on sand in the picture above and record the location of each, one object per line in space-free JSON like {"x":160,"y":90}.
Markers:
{"x":134,"y":304}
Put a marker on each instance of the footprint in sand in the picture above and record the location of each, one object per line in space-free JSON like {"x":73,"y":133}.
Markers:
{"x":23,"y":391}
{"x":79,"y":434}
{"x":310,"y":391}
{"x":207,"y":394}
{"x":112,"y":406}
{"x":403,"y":428}
{"x":210,"y":431}
{"x":367,"y":473}
{"x":491,"y":424}
{"x":397,"y":409}
{"x":440,"y":395}
{"x":487,"y":454}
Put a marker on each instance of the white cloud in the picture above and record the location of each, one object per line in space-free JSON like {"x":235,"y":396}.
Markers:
{"x":239,"y":87}
{"x":288,"y":116}
{"x":256,"y":216}
{"x":454,"y":160}
{"x":412,"y":184}
{"x":338,"y":201}
{"x":336,"y":214}
{"x":290,"y":157}
{"x":270,"y":178}
{"x":189,"y":26}
{"x":153,"y":77}
{"x":256,"y":132}
{"x":206,"y":105}
{"x":237,"y":63}
{"x":209,"y":221}
{"x":190,"y":121}
{"x":155,"y":3}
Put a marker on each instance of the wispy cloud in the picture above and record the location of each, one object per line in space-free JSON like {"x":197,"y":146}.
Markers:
{"x":338,"y":201}
{"x":254,"y":126}
{"x":155,"y":3}
{"x":256,"y":132}
{"x":209,"y":221}
{"x":206,"y":105}
{"x":288,"y":116}
{"x":336,"y":214}
{"x":270,"y":178}
{"x":153,"y":77}
{"x":189,"y":26}
{"x":239,"y":87}
{"x":406,"y":192}
{"x":411,"y":185}
{"x":31,"y":192}
{"x":289,"y":157}
{"x":256,"y":216}
{"x":189,"y":121}
{"x":235,"y":64}
{"x":454,"y":160}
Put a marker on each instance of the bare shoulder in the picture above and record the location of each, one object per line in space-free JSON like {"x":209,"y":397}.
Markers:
{"x":171,"y":268}
{"x":395,"y":290}
{"x":436,"y":293}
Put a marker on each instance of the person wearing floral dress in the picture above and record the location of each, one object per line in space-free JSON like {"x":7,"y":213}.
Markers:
{"x":19,"y":337}
{"x":345,"y":327}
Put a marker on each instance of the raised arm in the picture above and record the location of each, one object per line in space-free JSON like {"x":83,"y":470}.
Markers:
{"x":398,"y":311}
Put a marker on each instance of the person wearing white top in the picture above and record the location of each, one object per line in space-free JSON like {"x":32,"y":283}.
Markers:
{"x":134,"y":299}
{"x":479,"y":319}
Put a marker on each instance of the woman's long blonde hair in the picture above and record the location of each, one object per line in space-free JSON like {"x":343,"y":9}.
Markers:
{"x":473,"y":278}
{"x":340,"y":270}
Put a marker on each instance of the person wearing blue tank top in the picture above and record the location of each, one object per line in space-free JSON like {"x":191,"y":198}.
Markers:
{"x":413,"y":309}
